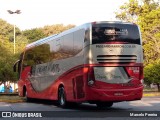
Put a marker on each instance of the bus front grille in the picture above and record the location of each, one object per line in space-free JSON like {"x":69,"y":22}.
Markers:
{"x":117,"y":58}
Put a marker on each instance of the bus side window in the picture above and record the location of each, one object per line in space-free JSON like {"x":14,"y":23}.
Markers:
{"x":67,"y":50}
{"x":78,"y":41}
{"x":28,"y":59}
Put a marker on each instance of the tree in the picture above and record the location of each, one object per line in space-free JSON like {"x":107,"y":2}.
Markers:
{"x":55,"y":29}
{"x":152,"y":44}
{"x":146,"y":13}
{"x":135,"y":9}
{"x":151,"y":73}
{"x":6,"y":62}
{"x":33,"y":34}
{"x":7,"y":57}
{"x":39,"y":33}
{"x":7,"y":30}
{"x":129,"y":11}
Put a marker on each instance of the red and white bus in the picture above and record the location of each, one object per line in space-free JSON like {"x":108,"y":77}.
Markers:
{"x":99,"y":62}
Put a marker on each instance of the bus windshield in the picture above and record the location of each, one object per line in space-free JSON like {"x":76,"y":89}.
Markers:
{"x":114,"y":32}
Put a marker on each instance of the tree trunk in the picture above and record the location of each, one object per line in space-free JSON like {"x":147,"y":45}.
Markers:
{"x":158,"y":86}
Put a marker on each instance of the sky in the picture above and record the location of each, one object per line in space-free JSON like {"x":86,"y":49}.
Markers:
{"x":39,"y":13}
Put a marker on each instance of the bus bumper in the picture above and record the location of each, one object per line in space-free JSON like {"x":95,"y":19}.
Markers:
{"x":114,"y":95}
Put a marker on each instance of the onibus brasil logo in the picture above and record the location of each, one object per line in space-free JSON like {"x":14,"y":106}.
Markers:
{"x":21,"y":114}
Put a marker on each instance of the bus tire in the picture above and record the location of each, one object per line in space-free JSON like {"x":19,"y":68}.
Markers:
{"x":27,"y":99}
{"x":62,"y":97}
{"x":104,"y":104}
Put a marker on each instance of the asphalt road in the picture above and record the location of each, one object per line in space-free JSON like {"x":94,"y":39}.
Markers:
{"x":87,"y":111}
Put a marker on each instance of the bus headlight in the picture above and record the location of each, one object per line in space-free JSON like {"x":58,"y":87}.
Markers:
{"x":90,"y":82}
{"x":142,"y":81}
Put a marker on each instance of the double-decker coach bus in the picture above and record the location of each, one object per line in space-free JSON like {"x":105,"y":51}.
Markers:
{"x":98,"y":63}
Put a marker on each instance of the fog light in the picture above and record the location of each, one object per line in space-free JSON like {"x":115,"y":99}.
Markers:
{"x":91,"y":82}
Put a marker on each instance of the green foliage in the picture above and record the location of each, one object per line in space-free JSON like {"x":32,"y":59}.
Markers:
{"x":6,"y":61}
{"x":38,"y":33}
{"x":55,"y":29}
{"x":151,"y":73}
{"x":134,"y":9}
{"x":6,"y":30}
{"x":146,"y":13}
{"x":151,"y":46}
{"x":34,"y":34}
{"x":7,"y":57}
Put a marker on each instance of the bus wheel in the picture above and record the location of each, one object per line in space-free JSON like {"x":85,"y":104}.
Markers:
{"x":62,"y":97}
{"x":27,"y":99}
{"x":104,"y":104}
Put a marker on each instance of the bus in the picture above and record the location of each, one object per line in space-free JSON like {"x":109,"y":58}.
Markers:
{"x":98,"y":62}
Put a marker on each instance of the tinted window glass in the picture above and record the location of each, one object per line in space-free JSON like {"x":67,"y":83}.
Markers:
{"x":64,"y":47}
{"x":112,"y":32}
{"x":38,"y":55}
{"x":78,"y":41}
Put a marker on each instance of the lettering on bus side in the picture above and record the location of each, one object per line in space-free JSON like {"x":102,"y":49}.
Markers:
{"x":108,"y":76}
{"x":48,"y":67}
{"x":55,"y":68}
{"x":116,"y":46}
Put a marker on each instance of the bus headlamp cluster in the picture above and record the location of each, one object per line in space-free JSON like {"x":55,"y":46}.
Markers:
{"x":142,"y":81}
{"x":90,"y":82}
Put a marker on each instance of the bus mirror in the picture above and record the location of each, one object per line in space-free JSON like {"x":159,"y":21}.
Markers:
{"x":15,"y":66}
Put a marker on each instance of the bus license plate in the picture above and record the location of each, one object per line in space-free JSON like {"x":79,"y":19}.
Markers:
{"x":118,"y":94}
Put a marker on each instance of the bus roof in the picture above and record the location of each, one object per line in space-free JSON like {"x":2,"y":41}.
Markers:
{"x":41,"y":41}
{"x":120,"y":22}
{"x":46,"y":39}
{"x":49,"y":38}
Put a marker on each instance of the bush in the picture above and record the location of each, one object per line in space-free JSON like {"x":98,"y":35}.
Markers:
{"x":152,"y":74}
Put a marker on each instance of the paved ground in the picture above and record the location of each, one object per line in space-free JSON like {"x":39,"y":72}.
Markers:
{"x":87,"y":111}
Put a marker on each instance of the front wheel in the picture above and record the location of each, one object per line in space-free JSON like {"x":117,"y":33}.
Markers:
{"x":62,"y":97}
{"x":104,"y":104}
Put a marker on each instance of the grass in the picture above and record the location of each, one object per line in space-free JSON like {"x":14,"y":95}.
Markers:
{"x":151,"y":94}
{"x":11,"y":99}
